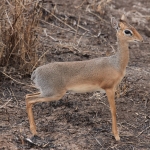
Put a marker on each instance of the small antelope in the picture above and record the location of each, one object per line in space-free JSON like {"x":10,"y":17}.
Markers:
{"x":55,"y":79}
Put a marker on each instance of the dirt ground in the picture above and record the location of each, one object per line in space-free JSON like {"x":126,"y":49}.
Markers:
{"x":82,"y":121}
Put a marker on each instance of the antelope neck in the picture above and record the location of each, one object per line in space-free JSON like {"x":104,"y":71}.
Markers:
{"x":122,"y":55}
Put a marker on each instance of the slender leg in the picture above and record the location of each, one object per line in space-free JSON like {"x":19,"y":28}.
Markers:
{"x":111,"y":94}
{"x":35,"y":98}
{"x":31,"y":118}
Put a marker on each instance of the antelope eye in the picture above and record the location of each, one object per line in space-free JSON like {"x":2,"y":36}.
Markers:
{"x":128,"y":32}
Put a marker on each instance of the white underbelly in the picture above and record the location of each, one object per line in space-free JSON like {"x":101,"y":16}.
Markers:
{"x":84,"y":88}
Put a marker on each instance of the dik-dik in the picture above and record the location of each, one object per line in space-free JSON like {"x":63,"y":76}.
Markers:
{"x":55,"y":79}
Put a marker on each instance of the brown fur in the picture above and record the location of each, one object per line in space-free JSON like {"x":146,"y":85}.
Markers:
{"x":55,"y":79}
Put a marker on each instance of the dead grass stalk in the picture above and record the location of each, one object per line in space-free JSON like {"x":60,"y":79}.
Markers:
{"x":19,"y":30}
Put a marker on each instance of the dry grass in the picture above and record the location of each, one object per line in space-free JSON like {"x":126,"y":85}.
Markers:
{"x":19,"y":40}
{"x":99,"y":6}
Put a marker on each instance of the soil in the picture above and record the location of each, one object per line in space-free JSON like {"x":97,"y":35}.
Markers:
{"x":82,"y":121}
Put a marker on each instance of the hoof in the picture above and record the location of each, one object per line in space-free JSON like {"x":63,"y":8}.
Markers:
{"x":35,"y":138}
{"x":38,"y":141}
{"x":117,"y":138}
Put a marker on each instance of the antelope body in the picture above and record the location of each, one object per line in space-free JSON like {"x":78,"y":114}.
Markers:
{"x":55,"y":79}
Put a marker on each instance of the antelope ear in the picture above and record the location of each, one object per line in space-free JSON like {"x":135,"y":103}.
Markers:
{"x":114,"y":23}
{"x":123,"y":18}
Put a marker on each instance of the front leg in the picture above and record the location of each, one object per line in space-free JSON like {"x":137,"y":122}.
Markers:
{"x":111,"y":94}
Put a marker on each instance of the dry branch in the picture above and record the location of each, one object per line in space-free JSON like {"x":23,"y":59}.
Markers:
{"x":19,"y":34}
{"x":5,"y":104}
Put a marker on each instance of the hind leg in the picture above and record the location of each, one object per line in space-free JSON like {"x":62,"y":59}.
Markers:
{"x":36,"y":98}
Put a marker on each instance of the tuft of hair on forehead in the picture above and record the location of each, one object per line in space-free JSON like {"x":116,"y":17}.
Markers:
{"x":123,"y":17}
{"x":122,"y":21}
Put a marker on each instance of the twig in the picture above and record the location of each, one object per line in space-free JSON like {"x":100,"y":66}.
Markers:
{"x":5,"y":103}
{"x":106,"y":42}
{"x":115,"y":146}
{"x":12,"y":78}
{"x":16,"y":80}
{"x":97,"y":140}
{"x":21,"y":137}
{"x":83,"y":28}
{"x":45,"y":144}
{"x":66,"y":29}
{"x":77,"y":29}
{"x":9,"y":3}
{"x":14,"y":96}
{"x":1,"y":43}
{"x":88,"y":10}
{"x":81,"y":37}
{"x":143,"y":131}
{"x":130,"y":124}
{"x":39,"y":59}
{"x":56,"y":26}
{"x":65,"y":22}
{"x":76,"y":49}
{"x":59,"y":19}
{"x":12,"y":51}
{"x":99,"y":98}
{"x":105,"y":105}
{"x":109,"y":45}
{"x":9,"y":20}
{"x":80,"y":4}
{"x":50,"y":36}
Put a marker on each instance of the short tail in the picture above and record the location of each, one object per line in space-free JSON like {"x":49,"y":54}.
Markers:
{"x":33,"y":75}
